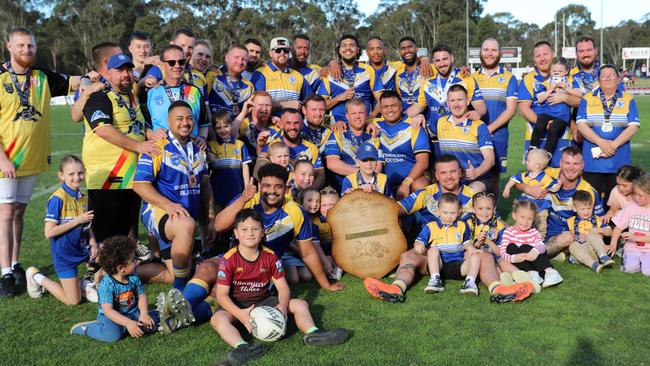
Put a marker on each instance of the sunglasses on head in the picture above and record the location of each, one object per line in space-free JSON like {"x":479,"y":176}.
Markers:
{"x":172,"y":63}
{"x":281,"y":50}
{"x":484,"y":194}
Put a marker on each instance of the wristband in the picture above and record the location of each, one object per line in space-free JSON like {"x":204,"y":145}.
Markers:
{"x":408,"y":180}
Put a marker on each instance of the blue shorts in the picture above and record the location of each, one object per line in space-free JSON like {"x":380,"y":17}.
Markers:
{"x":500,"y":156}
{"x":67,"y":271}
{"x":154,"y":219}
{"x":289,"y":260}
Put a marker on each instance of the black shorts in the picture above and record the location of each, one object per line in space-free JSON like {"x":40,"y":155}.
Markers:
{"x":116,"y":211}
{"x":451,"y":270}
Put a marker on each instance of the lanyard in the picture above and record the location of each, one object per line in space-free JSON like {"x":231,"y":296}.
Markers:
{"x":233,"y":89}
{"x":348,"y":75}
{"x":607,"y":109}
{"x":170,"y":93}
{"x":22,"y":91}
{"x":360,"y":180}
{"x":188,"y":154}
{"x":411,"y":78}
{"x":576,"y":227}
{"x":442,"y":92}
{"x":129,"y":107}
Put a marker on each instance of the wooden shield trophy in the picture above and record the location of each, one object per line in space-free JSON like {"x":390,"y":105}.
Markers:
{"x":367,"y":238}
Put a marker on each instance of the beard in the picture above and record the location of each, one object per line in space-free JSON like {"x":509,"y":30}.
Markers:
{"x":410,"y":62}
{"x":492,"y":65}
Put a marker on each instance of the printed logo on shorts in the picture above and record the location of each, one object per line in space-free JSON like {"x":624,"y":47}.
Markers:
{"x":97,"y":115}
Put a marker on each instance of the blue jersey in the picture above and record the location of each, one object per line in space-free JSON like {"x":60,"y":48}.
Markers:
{"x":123,"y":296}
{"x":229,"y":95}
{"x":466,"y":140}
{"x":318,"y":136}
{"x":623,"y":115}
{"x":283,"y":85}
{"x":284,"y":225}
{"x":379,"y":183}
{"x":588,"y":81}
{"x":545,"y":179}
{"x":311,"y":73}
{"x":400,"y":142}
{"x":425,"y":202}
{"x":226,"y":159}
{"x":345,"y":145}
{"x":387,"y":74}
{"x":158,"y":101}
{"x":407,"y":84}
{"x":303,"y":148}
{"x":561,"y":207}
{"x":448,"y":238}
{"x":362,"y":78}
{"x":496,"y":90}
{"x":71,"y":247}
{"x":171,"y":173}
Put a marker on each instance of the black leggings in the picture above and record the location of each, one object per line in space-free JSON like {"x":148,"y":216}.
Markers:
{"x":540,"y":264}
{"x":553,"y":134}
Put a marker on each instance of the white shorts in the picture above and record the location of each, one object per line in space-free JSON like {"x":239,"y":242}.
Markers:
{"x":17,"y":190}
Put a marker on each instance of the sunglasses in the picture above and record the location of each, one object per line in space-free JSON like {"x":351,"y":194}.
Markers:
{"x":281,"y":50}
{"x":172,"y":63}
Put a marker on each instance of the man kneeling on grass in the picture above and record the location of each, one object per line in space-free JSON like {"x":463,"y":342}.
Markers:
{"x":245,"y":275}
{"x":443,"y":247}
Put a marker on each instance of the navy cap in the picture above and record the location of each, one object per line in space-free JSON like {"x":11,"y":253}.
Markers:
{"x":119,"y":60}
{"x":367,"y":151}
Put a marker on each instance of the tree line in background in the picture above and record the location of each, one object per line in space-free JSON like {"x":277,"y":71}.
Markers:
{"x":66,"y":30}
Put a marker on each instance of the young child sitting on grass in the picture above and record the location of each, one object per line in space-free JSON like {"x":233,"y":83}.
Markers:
{"x":636,"y":218}
{"x":123,"y":305}
{"x":67,"y":225}
{"x":445,"y":241}
{"x":522,"y":246}
{"x":588,"y":231}
{"x":621,"y":195}
{"x":245,"y":273}
{"x":367,"y":177}
{"x":536,"y":174}
{"x":310,"y":200}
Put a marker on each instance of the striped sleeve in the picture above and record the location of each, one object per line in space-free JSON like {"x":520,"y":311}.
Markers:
{"x":508,"y":237}
{"x":536,"y":241}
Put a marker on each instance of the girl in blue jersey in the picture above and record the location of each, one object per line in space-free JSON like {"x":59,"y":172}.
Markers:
{"x":67,"y":226}
{"x":309,"y":199}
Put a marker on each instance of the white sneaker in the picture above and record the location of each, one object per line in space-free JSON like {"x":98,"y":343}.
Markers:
{"x":560,"y":257}
{"x":89,"y":291}
{"x":336,"y":275}
{"x":534,"y":275}
{"x":33,"y":289}
{"x":552,"y":278}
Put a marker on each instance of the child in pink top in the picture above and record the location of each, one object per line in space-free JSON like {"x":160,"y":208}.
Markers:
{"x":522,"y":246}
{"x":621,"y":195}
{"x":636,"y":218}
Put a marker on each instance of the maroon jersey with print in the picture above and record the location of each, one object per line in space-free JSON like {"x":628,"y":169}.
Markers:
{"x":249,"y":281}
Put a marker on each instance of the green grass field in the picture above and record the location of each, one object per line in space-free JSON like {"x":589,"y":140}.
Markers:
{"x":589,"y":319}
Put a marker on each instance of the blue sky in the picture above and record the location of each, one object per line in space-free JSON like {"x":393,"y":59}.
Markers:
{"x":614,"y":10}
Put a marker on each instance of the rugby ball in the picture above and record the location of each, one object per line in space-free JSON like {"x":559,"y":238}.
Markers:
{"x":268,"y":323}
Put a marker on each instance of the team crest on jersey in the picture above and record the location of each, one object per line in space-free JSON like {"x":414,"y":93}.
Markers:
{"x":158,"y":99}
{"x":278,"y":266}
{"x":501,"y":79}
{"x":221,"y":275}
{"x":97,"y":115}
{"x":292,"y":79}
{"x":457,"y":236}
{"x":466,"y":129}
{"x":9,"y":88}
{"x":620,"y":103}
{"x":175,"y":159}
{"x":235,"y":151}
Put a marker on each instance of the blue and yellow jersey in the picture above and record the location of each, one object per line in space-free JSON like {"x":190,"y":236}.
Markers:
{"x":496,"y":90}
{"x":229,"y":95}
{"x":157,"y":102}
{"x":448,"y":238}
{"x":70,"y":247}
{"x":535,"y":84}
{"x":109,"y":166}
{"x":425,"y":201}
{"x":318,"y":136}
{"x":209,"y":76}
{"x":226,"y":159}
{"x":284,"y":225}
{"x":324,"y":230}
{"x":494,"y":228}
{"x":387,"y":74}
{"x":433,"y":94}
{"x":561,"y":208}
{"x":304,"y":148}
{"x":196,"y":78}
{"x":169,"y":173}
{"x":545,"y":179}
{"x":248,"y":133}
{"x":623,"y":115}
{"x":27,"y":140}
{"x":584,"y":226}
{"x":379,"y":183}
{"x":345,"y":145}
{"x":465,"y":140}
{"x":408,"y":84}
{"x":532,"y":84}
{"x":311,"y":73}
{"x":283,"y":85}
{"x":362,"y":78}
{"x":588,"y":81}
{"x":400,"y":142}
